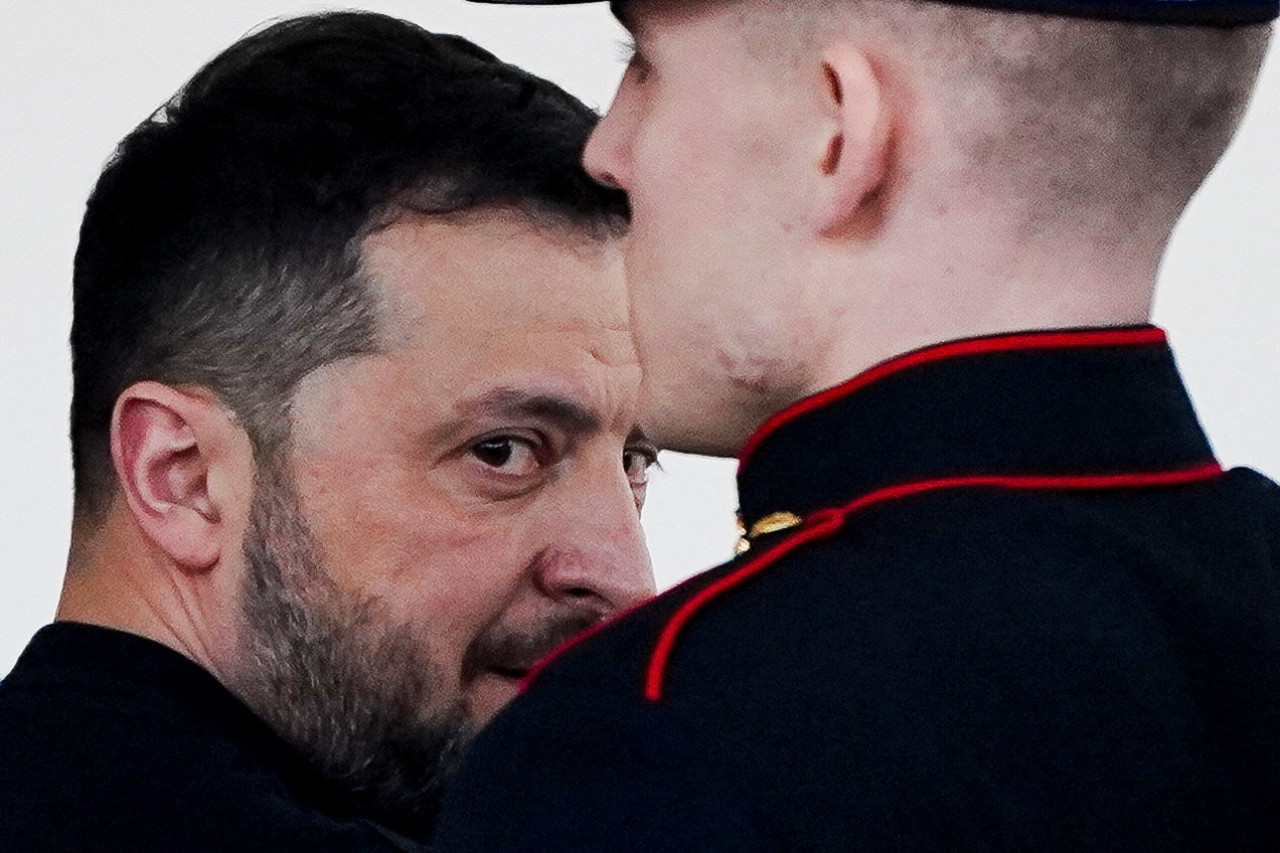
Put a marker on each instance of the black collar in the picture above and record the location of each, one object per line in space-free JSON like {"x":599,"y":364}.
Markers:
{"x":1077,"y":403}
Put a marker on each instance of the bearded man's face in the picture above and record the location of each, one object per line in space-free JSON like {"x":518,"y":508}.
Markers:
{"x":449,"y":509}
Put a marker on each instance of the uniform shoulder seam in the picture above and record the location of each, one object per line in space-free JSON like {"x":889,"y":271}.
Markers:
{"x":825,"y":523}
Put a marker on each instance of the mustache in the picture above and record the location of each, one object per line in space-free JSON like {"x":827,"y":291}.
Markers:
{"x":521,"y":648}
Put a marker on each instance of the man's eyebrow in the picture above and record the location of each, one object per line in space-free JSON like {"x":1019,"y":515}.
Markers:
{"x":542,"y":405}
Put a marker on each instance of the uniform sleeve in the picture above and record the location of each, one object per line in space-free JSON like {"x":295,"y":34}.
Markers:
{"x":571,"y":772}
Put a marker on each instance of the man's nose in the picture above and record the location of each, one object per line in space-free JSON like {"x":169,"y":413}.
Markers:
{"x":601,"y":562}
{"x":606,"y":155}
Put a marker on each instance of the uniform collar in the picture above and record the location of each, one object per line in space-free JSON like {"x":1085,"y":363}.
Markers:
{"x":1079,"y":402}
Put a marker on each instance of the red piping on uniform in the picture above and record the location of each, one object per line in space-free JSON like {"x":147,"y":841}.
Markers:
{"x":976,"y":346}
{"x":824,"y":523}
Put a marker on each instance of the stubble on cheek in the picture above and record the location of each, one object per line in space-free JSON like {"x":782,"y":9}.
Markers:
{"x":354,"y":693}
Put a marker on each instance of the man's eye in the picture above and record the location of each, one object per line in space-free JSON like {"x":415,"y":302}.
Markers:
{"x":637,"y":66}
{"x":508,"y":455}
{"x":636,"y":463}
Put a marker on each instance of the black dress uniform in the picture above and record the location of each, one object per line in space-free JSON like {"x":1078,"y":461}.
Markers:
{"x":111,"y":743}
{"x":1024,"y":609}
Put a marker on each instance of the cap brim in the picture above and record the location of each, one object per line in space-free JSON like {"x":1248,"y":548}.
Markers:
{"x":1218,"y":13}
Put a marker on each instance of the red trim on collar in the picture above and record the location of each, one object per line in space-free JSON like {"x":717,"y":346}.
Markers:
{"x":939,"y":352}
{"x":827,"y":522}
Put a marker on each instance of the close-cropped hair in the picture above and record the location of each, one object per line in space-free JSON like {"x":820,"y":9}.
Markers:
{"x":221,"y":245}
{"x":1123,"y":119}
{"x":1068,"y":116}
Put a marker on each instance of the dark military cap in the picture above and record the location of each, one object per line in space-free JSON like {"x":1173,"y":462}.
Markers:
{"x":1219,"y":13}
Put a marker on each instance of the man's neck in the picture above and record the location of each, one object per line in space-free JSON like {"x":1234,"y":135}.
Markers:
{"x":970,"y":298}
{"x":114,"y":581}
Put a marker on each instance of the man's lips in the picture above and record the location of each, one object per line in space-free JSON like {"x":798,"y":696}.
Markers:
{"x":515,"y":673}
{"x":517,"y":668}
{"x":511,"y":654}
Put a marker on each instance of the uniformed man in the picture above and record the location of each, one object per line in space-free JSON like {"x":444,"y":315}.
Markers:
{"x":997,"y":593}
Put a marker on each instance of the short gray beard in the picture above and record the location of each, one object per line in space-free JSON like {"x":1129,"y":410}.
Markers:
{"x":351,"y":693}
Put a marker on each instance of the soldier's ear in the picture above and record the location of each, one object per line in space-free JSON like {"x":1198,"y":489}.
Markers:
{"x":855,"y":154}
{"x":181,"y":460}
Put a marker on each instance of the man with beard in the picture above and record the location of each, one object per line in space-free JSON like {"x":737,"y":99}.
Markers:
{"x":354,"y":444}
{"x":899,"y":257}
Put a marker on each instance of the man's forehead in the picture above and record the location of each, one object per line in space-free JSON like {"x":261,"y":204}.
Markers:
{"x":1222,"y":13}
{"x":496,"y":268}
{"x":493,"y":300}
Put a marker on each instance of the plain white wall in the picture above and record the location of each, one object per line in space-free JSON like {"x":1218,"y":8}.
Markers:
{"x":77,"y":75}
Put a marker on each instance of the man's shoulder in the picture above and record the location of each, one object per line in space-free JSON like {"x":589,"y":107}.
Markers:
{"x":851,"y":680}
{"x":794,"y":584}
{"x":90,"y":765}
{"x":959,"y":567}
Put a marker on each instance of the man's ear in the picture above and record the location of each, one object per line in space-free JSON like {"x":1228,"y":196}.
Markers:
{"x":856,"y":152}
{"x":169,"y":447}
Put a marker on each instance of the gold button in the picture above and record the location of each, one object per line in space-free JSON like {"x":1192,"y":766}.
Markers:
{"x":774,"y":522}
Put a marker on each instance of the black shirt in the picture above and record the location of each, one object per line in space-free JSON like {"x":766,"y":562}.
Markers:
{"x":112,"y":742}
{"x":1026,"y":610}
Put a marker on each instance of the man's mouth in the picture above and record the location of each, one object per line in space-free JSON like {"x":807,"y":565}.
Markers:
{"x":499,"y":661}
{"x":514,"y":673}
{"x":511,"y":654}
{"x":493,"y":685}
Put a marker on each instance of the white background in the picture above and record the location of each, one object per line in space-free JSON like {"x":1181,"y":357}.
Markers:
{"x":77,"y":75}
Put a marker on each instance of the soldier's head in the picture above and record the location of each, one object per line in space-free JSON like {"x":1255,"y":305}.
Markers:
{"x":354,"y":400}
{"x":819,"y":184}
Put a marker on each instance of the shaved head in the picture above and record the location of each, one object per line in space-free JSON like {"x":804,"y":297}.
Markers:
{"x":1077,"y":122}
